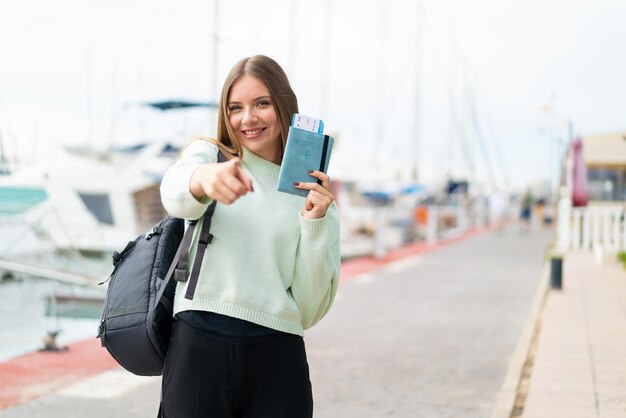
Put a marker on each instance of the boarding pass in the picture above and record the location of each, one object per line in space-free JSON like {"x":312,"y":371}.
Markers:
{"x":307,"y":123}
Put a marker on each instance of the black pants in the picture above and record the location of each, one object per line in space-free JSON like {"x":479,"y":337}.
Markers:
{"x":205,"y":378}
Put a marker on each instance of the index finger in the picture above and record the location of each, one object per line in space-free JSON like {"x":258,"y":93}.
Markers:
{"x":240,"y":175}
{"x":247,"y":181}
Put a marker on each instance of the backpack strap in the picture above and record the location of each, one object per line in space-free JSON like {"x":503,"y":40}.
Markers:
{"x":180,"y":272}
{"x":176,"y":266}
{"x":203,"y":241}
{"x":180,"y":264}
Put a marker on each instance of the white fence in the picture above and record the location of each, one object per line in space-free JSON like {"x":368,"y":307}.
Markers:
{"x":592,"y":228}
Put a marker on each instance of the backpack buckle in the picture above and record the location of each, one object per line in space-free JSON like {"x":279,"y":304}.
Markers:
{"x":205,"y":238}
{"x":180,"y":275}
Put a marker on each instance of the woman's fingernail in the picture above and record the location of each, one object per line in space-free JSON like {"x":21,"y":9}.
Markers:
{"x":295,"y":183}
{"x":310,"y":171}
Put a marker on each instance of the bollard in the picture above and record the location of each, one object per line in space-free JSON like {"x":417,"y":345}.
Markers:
{"x":556,"y":272}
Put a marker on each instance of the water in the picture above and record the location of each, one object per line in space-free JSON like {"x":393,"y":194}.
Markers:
{"x":31,"y":307}
{"x":27,"y":314}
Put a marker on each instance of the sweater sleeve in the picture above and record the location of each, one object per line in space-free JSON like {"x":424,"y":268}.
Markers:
{"x":175,"y":194}
{"x":316,"y":274}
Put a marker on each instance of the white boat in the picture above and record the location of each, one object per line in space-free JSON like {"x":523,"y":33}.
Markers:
{"x":93,"y":201}
{"x":89,"y":202}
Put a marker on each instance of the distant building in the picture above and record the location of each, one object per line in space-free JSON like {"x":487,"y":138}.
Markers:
{"x":598,"y":224}
{"x":605,"y":159}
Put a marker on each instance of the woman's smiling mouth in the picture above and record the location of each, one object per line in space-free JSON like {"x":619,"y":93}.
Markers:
{"x":252,"y":133}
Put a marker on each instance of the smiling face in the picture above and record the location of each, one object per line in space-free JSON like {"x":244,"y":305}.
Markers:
{"x":252,"y":115}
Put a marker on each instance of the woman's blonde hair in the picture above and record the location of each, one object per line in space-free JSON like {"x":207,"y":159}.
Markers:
{"x":283,"y":98}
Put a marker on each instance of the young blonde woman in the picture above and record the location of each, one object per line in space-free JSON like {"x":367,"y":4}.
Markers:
{"x":270,"y":272}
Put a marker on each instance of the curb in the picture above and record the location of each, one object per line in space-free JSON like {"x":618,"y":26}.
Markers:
{"x":512,"y":384}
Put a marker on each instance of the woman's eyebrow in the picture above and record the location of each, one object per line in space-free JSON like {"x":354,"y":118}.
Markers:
{"x":254,"y":100}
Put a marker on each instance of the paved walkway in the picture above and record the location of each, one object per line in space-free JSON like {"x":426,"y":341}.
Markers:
{"x":427,"y":334}
{"x":579,"y":361}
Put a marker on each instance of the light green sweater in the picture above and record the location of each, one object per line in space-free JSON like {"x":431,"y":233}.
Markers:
{"x":266,"y":264}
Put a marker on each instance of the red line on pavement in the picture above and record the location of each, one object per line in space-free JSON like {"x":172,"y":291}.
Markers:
{"x":367,"y":264}
{"x":36,"y":374}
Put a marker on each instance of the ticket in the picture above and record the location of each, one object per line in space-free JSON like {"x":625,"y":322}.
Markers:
{"x":307,"y":123}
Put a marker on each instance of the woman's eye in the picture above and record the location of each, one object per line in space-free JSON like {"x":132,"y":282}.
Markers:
{"x":233,"y":108}
{"x":263,"y":103}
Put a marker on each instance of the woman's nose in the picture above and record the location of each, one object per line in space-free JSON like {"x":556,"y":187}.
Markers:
{"x":249,"y":117}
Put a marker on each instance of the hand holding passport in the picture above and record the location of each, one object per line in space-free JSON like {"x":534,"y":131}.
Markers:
{"x":307,"y":149}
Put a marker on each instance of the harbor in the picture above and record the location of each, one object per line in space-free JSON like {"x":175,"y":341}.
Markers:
{"x":480,"y":194}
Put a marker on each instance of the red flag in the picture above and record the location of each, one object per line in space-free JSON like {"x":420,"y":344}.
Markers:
{"x":579,"y":193}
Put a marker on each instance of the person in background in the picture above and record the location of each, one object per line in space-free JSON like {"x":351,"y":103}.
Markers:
{"x":270,"y":272}
{"x":526,"y":211}
{"x":540,"y":206}
{"x":548,"y":215}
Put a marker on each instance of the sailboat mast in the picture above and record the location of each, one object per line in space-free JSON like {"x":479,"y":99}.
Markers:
{"x":4,"y":169}
{"x":451,"y":101}
{"x":4,"y":166}
{"x":480,"y":138}
{"x":214,"y":81}
{"x":89,"y":94}
{"x":414,"y":137}
{"x":325,"y":81}
{"x":380,"y":85}
{"x":214,"y":90}
{"x":292,"y":37}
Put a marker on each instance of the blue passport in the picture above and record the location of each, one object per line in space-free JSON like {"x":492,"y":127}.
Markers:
{"x":304,"y":151}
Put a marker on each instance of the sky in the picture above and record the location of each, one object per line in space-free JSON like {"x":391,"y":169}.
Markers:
{"x":478,"y":89}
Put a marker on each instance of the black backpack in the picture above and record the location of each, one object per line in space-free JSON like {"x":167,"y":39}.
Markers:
{"x":136,"y":324}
